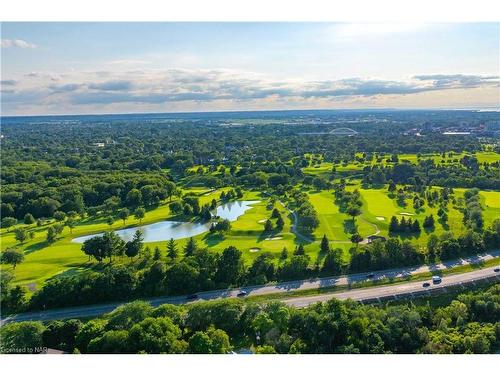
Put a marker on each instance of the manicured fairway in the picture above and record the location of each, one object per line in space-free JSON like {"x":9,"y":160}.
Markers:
{"x":334,"y":223}
{"x":491,"y":205}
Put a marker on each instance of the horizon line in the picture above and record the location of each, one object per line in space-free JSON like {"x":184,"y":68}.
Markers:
{"x":485,"y":109}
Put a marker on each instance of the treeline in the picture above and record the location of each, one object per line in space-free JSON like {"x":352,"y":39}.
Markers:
{"x":394,"y":253}
{"x":468,"y":324}
{"x":189,"y":205}
{"x":83,"y":193}
{"x":426,"y":172}
{"x":349,"y":202}
{"x":473,"y":216}
{"x":307,"y":215}
{"x":408,"y":226}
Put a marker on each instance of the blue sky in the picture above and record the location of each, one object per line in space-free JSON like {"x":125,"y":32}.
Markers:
{"x":57,"y":68}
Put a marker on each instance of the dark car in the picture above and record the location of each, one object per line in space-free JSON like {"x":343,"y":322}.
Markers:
{"x":370,"y":276}
{"x":242,"y":294}
{"x":426,"y":285}
{"x":192,"y":296}
{"x":496,"y":270}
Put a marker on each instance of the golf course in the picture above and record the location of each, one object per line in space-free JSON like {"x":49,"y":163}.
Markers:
{"x":64,"y":257}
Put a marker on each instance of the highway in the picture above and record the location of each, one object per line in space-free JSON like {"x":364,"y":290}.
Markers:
{"x":290,"y":286}
{"x":400,"y":290}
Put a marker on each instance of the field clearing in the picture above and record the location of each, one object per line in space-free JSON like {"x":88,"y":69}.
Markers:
{"x":488,"y":157}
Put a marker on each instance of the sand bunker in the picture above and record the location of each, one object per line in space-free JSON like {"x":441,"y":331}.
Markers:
{"x":381,"y":218}
{"x":254,"y":249}
{"x":406,"y":213}
{"x":273,"y":238}
{"x":262,"y":221}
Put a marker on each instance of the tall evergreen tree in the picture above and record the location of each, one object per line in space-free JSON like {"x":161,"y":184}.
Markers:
{"x":325,"y":245}
{"x":394,"y":225}
{"x":300,"y":250}
{"x":280,"y":223}
{"x":402,"y":225}
{"x":172,"y":249}
{"x":268,"y":226}
{"x":190,"y":247}
{"x":416,"y":226}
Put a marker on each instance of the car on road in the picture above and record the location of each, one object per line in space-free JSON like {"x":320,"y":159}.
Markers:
{"x":370,"y":276}
{"x":496,"y":270}
{"x":242,"y":294}
{"x":426,"y":285}
{"x":192,"y":297}
{"x":436,"y":279}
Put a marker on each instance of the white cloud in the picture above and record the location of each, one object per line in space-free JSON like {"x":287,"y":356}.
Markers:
{"x":16,"y":43}
{"x":216,"y":89}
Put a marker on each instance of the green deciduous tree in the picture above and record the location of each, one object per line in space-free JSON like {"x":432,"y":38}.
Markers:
{"x":132,"y":248}
{"x":123,"y":214}
{"x":71,"y":223}
{"x":21,"y":234}
{"x":156,"y":335}
{"x":139,"y":213}
{"x":230,"y":267}
{"x":105,"y":246}
{"x":24,"y":337}
{"x":29,"y":219}
{"x":59,"y":216}
{"x":8,"y":222}
{"x":13,"y":257}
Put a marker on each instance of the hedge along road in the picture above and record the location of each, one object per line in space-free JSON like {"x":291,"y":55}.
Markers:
{"x":291,"y":286}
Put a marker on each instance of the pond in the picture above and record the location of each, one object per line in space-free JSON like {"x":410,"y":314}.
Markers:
{"x":165,"y":230}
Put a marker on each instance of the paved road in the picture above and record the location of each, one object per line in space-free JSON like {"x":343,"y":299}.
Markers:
{"x":295,"y":223}
{"x":94,"y":310}
{"x":399,"y":290}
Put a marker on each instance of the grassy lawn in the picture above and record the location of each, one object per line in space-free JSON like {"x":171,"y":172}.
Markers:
{"x":491,"y":205}
{"x":378,"y":208}
{"x":378,"y":205}
{"x":333,"y":223}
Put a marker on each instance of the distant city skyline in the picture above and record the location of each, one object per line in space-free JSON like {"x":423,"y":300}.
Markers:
{"x":87,"y":68}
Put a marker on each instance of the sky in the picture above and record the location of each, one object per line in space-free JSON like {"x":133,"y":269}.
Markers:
{"x":93,"y":68}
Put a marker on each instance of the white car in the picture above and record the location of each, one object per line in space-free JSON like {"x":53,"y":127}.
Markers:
{"x":436,"y":279}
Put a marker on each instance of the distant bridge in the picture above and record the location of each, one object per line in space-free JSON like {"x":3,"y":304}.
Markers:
{"x":343,"y":131}
{"x":338,"y":131}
